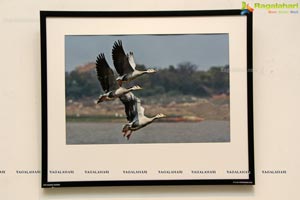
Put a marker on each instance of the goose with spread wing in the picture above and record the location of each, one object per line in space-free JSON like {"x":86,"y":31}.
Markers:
{"x":135,"y":115}
{"x":125,"y":64}
{"x":108,"y":81}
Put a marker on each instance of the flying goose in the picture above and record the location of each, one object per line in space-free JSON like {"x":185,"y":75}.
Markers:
{"x":125,"y":64}
{"x":135,"y":115}
{"x":108,"y":82}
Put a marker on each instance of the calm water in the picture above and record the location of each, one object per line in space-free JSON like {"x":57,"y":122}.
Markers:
{"x":185,"y":132}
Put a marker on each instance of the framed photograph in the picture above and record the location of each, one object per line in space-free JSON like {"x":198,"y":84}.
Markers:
{"x":147,"y":98}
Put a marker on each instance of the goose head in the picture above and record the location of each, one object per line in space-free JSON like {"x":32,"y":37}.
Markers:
{"x":158,"y":116}
{"x":150,"y":71}
{"x":136,"y":87}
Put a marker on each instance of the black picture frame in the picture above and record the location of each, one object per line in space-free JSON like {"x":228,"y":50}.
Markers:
{"x":45,"y":15}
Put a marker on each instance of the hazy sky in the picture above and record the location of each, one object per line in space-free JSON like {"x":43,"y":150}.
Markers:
{"x":151,"y":50}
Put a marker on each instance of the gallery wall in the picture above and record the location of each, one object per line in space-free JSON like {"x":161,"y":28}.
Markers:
{"x":276,"y":46}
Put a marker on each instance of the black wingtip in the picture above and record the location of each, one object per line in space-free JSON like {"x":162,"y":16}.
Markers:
{"x":100,"y":61}
{"x":117,"y":44}
{"x":101,"y":56}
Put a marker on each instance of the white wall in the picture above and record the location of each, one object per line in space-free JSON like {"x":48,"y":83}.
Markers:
{"x":276,"y":103}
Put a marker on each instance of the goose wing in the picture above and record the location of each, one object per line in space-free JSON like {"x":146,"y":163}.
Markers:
{"x":131,"y":60}
{"x":105,"y":74}
{"x":140,"y":109}
{"x":120,"y":59}
{"x":129,"y":101}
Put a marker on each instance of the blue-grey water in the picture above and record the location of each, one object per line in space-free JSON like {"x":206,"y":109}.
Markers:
{"x":180,"y":132}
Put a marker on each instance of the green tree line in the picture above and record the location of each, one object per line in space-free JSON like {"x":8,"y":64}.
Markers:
{"x":184,"y":79}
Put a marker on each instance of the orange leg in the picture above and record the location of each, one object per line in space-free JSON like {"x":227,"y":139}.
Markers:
{"x":129,"y":134}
